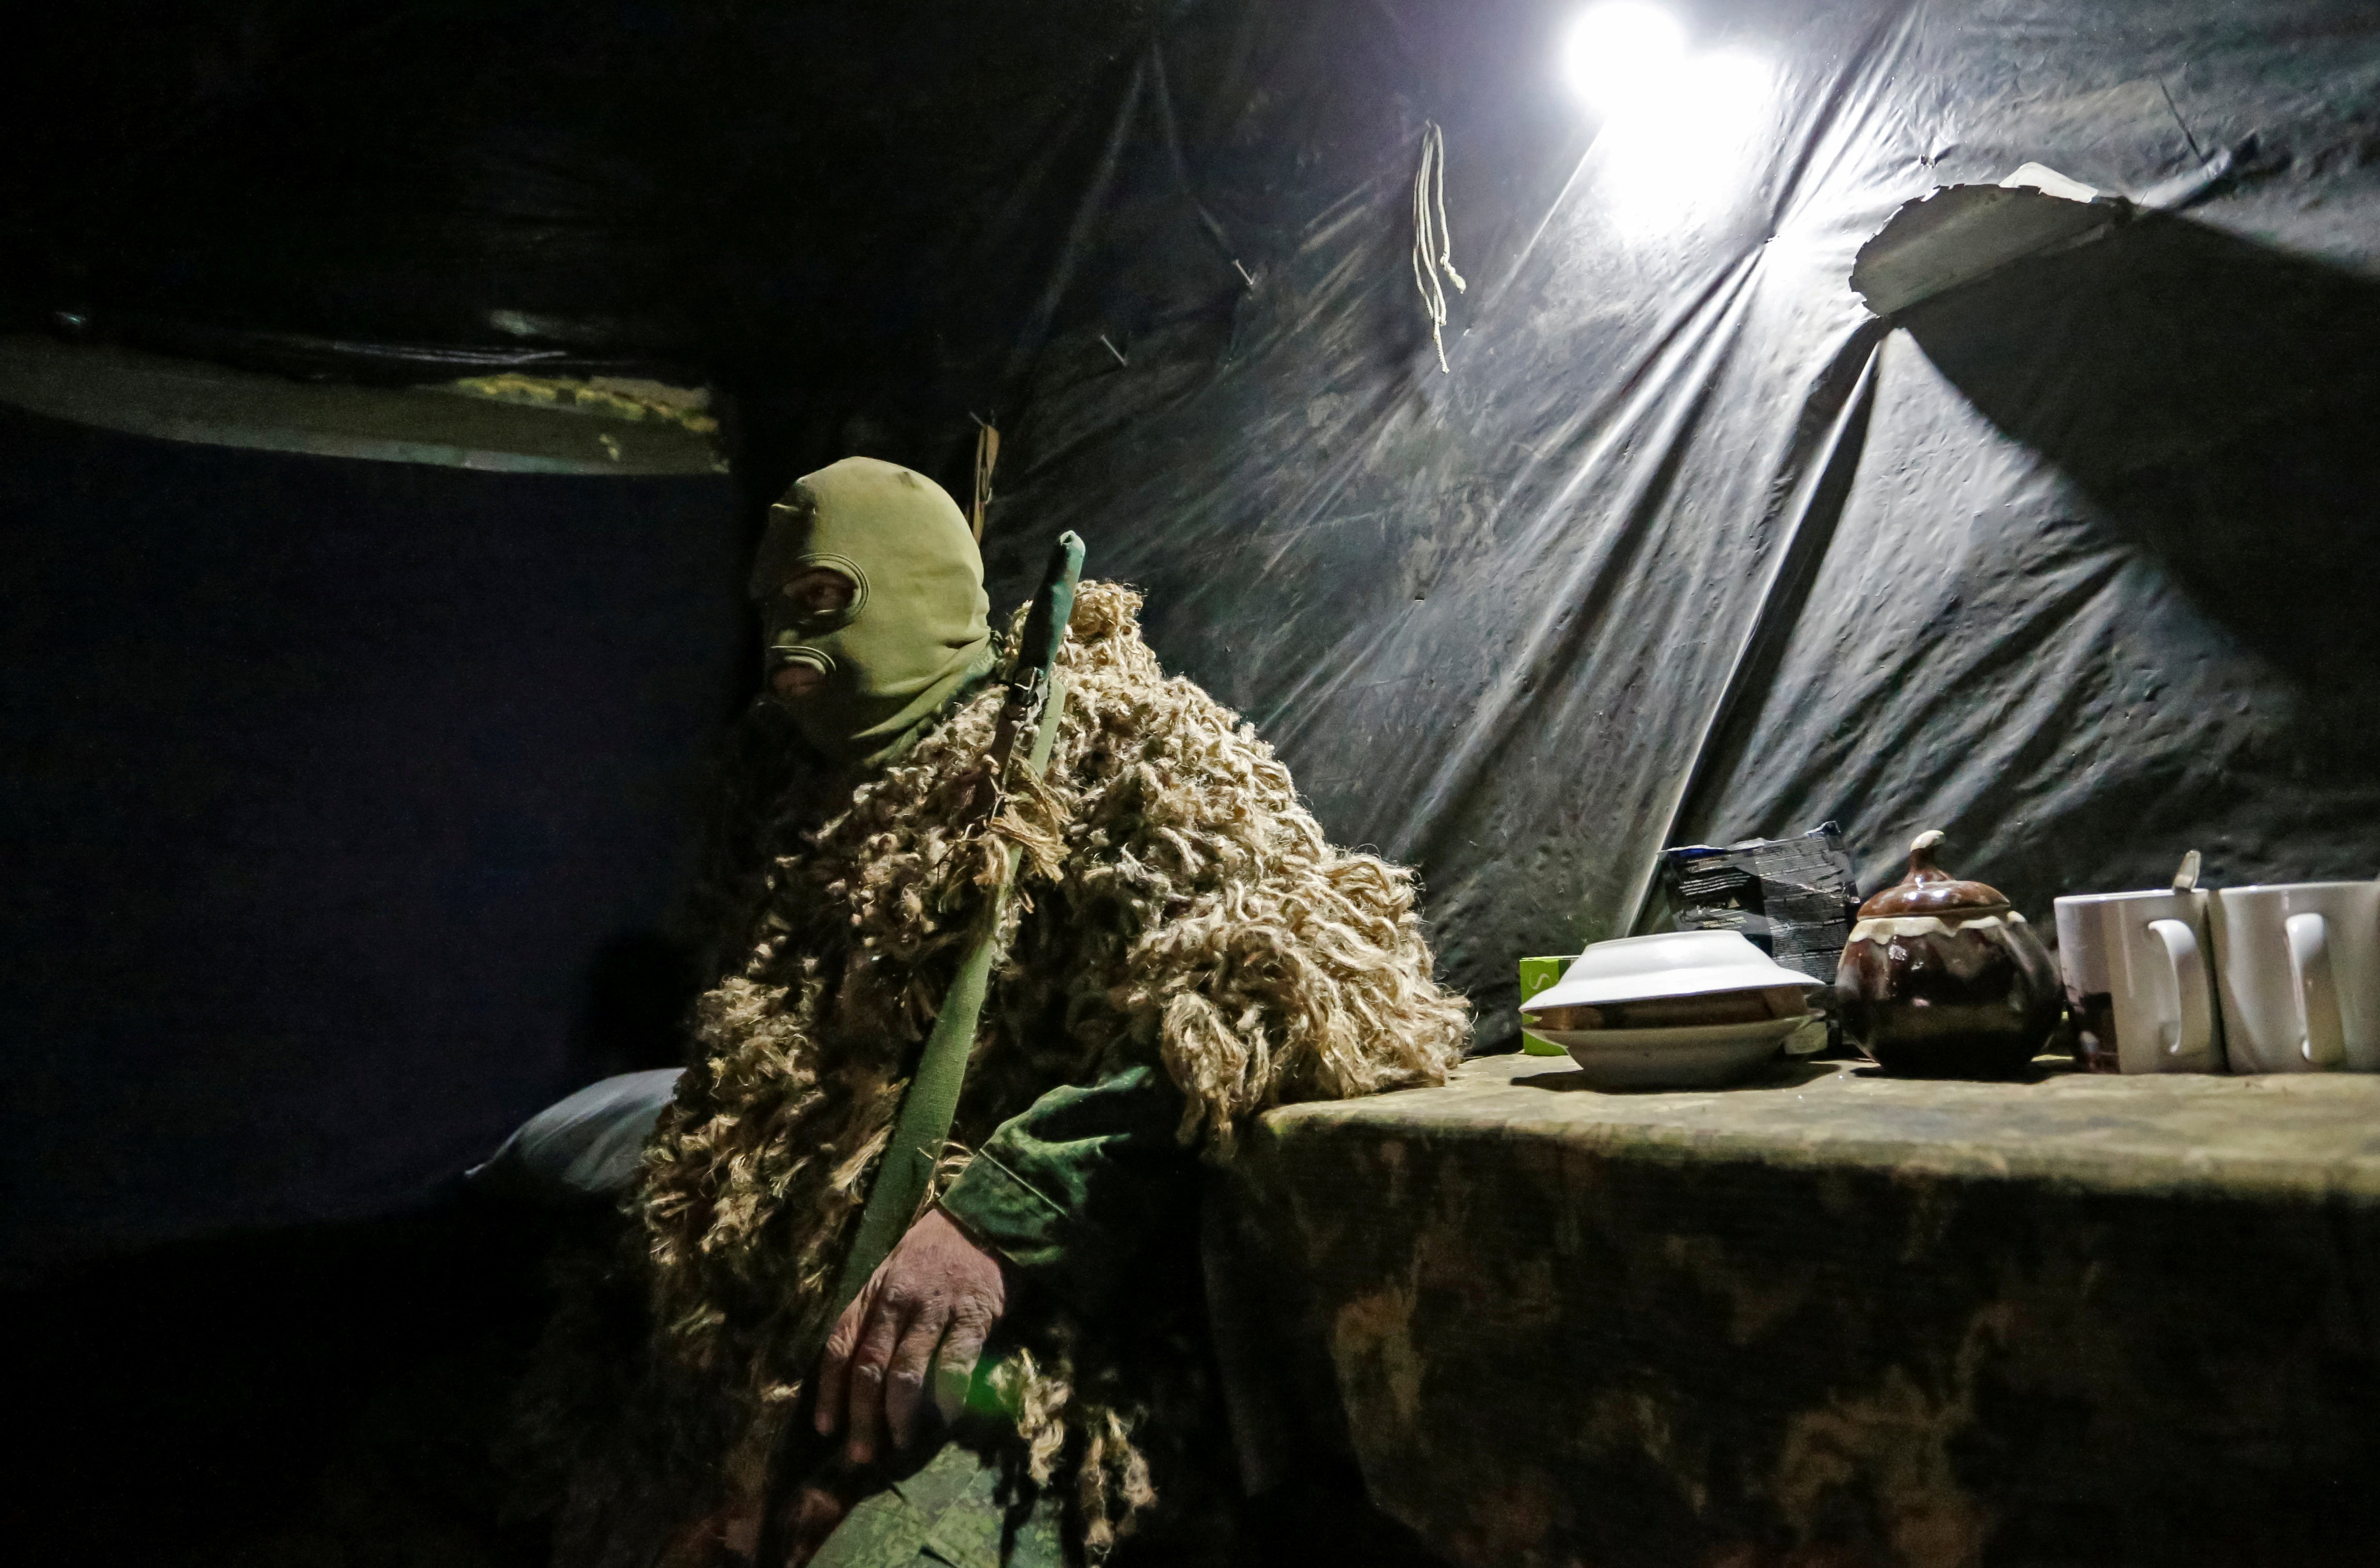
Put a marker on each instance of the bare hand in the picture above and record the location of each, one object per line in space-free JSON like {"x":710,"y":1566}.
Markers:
{"x":926,"y":1311}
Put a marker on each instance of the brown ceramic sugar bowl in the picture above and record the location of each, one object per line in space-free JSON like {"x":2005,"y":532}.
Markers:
{"x":1942,"y":978}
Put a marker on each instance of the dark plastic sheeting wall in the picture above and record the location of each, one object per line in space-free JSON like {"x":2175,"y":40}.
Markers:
{"x":2075,"y":566}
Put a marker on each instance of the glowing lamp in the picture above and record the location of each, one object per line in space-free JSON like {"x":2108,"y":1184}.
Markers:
{"x":1622,"y":52}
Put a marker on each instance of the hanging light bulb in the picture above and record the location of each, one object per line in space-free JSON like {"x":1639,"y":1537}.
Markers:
{"x":1622,"y":52}
{"x":1680,"y":130}
{"x":1692,"y":151}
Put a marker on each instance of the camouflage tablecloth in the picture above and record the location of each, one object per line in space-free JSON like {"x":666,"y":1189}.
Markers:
{"x":1828,"y":1319}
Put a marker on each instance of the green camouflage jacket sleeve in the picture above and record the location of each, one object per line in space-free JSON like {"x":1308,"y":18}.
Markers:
{"x":1081,"y":1189}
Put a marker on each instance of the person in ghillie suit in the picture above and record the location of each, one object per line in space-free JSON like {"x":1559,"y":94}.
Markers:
{"x":1024,"y":1380}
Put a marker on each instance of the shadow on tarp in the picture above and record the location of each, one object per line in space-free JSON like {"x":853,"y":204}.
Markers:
{"x":2213,"y":396}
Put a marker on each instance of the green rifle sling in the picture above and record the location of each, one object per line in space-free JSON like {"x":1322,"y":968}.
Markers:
{"x":923,"y":1125}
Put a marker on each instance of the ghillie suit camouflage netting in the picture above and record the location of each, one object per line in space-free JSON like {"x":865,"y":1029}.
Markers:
{"x":1180,"y":907}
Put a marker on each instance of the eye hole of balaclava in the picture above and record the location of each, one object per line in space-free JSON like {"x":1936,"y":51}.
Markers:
{"x":816,"y":599}
{"x":820,"y":593}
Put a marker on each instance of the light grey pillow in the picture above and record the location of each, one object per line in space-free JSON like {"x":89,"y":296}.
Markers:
{"x":586,"y":1145}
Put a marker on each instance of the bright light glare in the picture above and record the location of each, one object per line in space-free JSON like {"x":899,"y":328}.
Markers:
{"x":1696,"y":146}
{"x":1622,"y":53}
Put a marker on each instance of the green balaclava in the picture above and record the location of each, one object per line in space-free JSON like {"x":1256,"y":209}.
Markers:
{"x":870,"y":593}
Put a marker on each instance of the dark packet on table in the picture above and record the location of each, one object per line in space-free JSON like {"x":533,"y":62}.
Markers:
{"x":1794,"y":898}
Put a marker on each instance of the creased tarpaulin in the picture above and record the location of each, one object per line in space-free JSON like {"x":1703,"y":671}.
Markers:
{"x":1688,"y":547}
{"x":2074,"y":565}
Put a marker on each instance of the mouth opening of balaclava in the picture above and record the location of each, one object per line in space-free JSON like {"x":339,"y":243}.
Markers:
{"x":870,"y":592}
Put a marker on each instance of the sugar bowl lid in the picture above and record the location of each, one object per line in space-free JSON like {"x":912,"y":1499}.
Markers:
{"x":1930,"y":890}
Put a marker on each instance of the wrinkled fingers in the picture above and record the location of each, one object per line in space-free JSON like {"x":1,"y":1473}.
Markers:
{"x":878,"y":1336}
{"x":905,"y":1372}
{"x":955,"y":1367}
{"x":834,"y":1364}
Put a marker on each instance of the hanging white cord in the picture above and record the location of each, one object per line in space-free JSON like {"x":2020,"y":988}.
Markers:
{"x":1433,"y":242}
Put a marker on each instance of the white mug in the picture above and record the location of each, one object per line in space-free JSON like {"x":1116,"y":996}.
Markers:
{"x":2138,"y":968}
{"x":2298,"y":974}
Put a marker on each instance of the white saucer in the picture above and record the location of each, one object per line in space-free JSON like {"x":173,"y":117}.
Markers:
{"x":1687,"y":1057}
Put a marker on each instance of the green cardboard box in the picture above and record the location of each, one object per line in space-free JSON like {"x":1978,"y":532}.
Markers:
{"x":1536,"y":975}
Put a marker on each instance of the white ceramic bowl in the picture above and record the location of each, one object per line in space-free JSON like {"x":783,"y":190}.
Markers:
{"x":1684,"y":1057}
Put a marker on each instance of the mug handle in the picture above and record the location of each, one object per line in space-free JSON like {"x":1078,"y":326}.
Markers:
{"x":2185,"y":1024}
{"x":2322,"y":1039}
